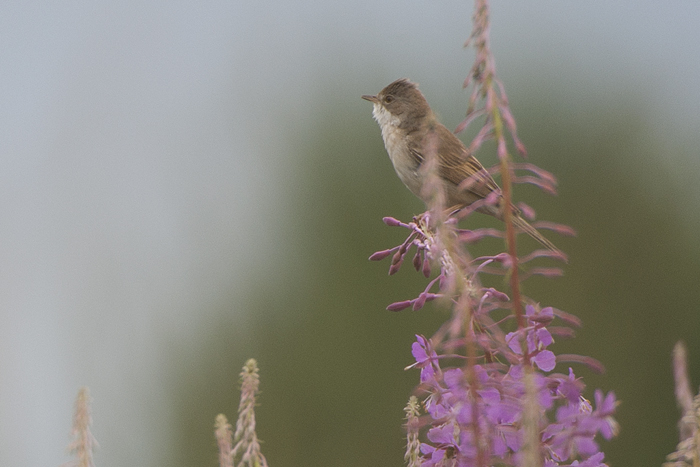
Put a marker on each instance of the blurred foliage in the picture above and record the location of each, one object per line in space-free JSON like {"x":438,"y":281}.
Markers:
{"x":331,"y":358}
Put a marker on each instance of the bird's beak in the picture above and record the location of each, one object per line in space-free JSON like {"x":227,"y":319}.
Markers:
{"x":372,"y":99}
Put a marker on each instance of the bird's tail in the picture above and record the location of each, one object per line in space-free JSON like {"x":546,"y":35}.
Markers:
{"x":523,"y":225}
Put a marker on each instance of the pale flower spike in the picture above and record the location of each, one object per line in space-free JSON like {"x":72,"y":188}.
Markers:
{"x":83,"y":442}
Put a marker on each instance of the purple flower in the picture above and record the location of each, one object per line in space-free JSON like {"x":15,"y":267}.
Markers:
{"x":426,"y":358}
{"x":487,"y":401}
{"x":537,"y":338}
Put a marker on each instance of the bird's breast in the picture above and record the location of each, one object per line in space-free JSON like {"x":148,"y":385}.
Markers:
{"x":396,"y":144}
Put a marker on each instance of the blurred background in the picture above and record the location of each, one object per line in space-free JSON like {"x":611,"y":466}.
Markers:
{"x":185,"y":185}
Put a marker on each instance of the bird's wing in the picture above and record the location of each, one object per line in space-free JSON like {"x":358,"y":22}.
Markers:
{"x":457,"y":165}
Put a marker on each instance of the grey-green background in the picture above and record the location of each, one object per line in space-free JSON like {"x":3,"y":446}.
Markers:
{"x":185,"y":185}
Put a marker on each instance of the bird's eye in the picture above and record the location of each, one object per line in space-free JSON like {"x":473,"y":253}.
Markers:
{"x":389,"y":99}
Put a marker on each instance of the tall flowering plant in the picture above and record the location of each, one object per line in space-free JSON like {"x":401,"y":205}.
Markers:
{"x":488,"y":392}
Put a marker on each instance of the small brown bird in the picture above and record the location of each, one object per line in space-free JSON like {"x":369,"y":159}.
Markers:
{"x":406,"y":119}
